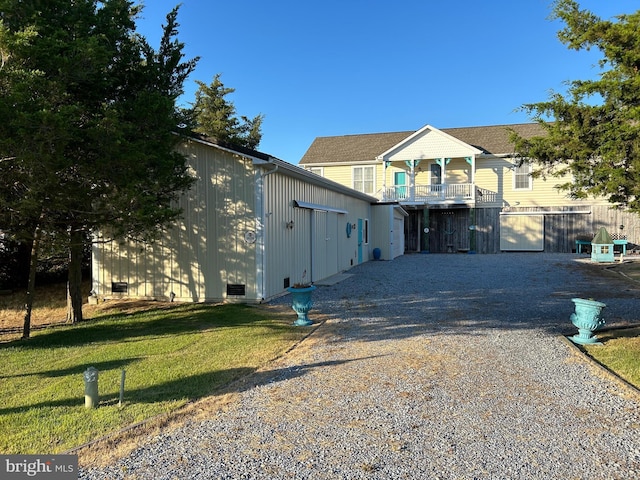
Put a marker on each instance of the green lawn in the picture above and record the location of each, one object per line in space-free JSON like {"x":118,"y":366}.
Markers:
{"x":619,"y":352}
{"x":170,"y":355}
{"x":620,"y":349}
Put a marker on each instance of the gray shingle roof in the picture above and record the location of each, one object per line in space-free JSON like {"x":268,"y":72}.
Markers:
{"x":366,"y":147}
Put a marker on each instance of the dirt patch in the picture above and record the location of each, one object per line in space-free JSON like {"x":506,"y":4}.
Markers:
{"x":12,"y":319}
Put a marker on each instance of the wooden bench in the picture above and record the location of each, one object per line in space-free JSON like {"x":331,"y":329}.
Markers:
{"x":620,"y":243}
{"x":580,"y":243}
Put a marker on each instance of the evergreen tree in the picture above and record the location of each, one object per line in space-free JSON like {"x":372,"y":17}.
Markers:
{"x":593,"y":132}
{"x":216,"y":116}
{"x":87,"y":126}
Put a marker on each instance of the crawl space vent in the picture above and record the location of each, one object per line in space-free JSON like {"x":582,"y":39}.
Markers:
{"x":235,"y":289}
{"x":119,"y":287}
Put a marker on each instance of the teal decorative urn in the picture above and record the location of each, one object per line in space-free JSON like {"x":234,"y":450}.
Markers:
{"x":302,"y":302}
{"x":587,"y":318}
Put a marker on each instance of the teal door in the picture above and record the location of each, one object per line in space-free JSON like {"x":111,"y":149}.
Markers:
{"x":360,"y":240}
{"x":400,"y":182}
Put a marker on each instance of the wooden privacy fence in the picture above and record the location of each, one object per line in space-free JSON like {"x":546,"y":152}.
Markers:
{"x":562,"y":226}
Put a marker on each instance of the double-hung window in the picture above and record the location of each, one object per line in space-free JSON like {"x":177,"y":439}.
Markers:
{"x":363,"y":179}
{"x":522,"y":179}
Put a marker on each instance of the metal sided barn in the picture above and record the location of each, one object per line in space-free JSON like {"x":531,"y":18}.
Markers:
{"x":252,"y":225}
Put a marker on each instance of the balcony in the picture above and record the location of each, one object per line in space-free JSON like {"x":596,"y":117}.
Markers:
{"x":439,"y":194}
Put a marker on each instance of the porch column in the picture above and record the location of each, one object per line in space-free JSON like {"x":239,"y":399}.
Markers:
{"x":425,"y":229}
{"x":386,"y":164}
{"x":472,"y":230}
{"x":412,"y":164}
{"x":443,"y":162}
{"x":472,"y":164}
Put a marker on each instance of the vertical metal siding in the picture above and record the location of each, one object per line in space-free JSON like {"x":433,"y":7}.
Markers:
{"x":289,"y":250}
{"x":205,"y":250}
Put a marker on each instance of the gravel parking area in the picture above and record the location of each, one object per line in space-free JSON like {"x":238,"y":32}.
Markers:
{"x":429,"y":366}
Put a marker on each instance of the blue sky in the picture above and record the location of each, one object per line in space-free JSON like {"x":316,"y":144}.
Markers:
{"x":338,"y":67}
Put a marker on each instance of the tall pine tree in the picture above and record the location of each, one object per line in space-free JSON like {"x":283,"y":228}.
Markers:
{"x":87,"y":125}
{"x":593,"y":132}
{"x":216,"y":116}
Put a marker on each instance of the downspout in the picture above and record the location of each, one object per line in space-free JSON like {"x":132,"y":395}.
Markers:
{"x":260,"y":234}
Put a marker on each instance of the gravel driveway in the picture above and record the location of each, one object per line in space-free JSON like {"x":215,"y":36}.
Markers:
{"x":428,"y":367}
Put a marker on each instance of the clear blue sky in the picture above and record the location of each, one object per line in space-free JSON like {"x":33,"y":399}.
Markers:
{"x":337,"y":67}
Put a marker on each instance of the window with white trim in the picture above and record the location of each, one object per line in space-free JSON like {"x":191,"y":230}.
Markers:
{"x":522,"y":179}
{"x":363,"y":179}
{"x":316,"y":170}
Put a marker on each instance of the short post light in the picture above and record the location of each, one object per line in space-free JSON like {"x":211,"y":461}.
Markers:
{"x":90,"y":387}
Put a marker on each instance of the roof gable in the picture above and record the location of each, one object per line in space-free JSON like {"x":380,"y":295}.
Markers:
{"x":344,"y":149}
{"x":428,"y":142}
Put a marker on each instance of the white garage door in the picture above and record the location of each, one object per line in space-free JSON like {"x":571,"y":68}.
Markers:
{"x":522,"y":233}
{"x":398,"y":237}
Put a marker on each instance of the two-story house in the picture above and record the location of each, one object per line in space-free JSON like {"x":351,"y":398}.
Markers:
{"x":465,"y":189}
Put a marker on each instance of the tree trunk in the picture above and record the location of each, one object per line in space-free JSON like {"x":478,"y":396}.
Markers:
{"x":74,"y":284}
{"x":31,"y":286}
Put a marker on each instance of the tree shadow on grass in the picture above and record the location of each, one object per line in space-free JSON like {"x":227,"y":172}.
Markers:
{"x":193,"y":387}
{"x":77,"y":369}
{"x":158,"y":322}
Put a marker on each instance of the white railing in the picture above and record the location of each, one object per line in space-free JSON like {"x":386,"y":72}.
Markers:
{"x":462,"y":192}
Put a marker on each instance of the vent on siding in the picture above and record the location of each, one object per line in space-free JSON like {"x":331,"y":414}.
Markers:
{"x":236,"y":289}
{"x":119,"y":287}
{"x":287,"y":282}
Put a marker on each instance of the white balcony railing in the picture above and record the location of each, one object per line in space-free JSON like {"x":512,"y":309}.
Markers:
{"x":440,"y":193}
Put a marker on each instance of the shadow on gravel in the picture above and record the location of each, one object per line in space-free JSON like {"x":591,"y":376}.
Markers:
{"x":189,"y":387}
{"x":471,"y":294}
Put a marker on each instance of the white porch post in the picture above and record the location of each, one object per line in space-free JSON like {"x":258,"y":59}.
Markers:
{"x":443,"y":162}
{"x":472,"y":163}
{"x":412,"y":180}
{"x":386,"y":164}
{"x":412,"y":164}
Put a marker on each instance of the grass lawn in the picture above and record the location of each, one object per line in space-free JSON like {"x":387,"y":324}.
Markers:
{"x":619,"y":352}
{"x":171,"y":354}
{"x":629,"y":269}
{"x":620,"y":349}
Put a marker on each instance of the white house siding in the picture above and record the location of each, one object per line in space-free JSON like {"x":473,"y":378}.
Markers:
{"x":240,"y":228}
{"x":317,"y":243}
{"x":202,"y":253}
{"x":494,"y":178}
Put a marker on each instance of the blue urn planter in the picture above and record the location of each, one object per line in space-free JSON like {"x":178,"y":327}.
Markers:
{"x":302,"y":303}
{"x":588,"y":318}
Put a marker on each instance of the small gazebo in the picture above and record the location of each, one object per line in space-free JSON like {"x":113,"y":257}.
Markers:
{"x":602,"y":247}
